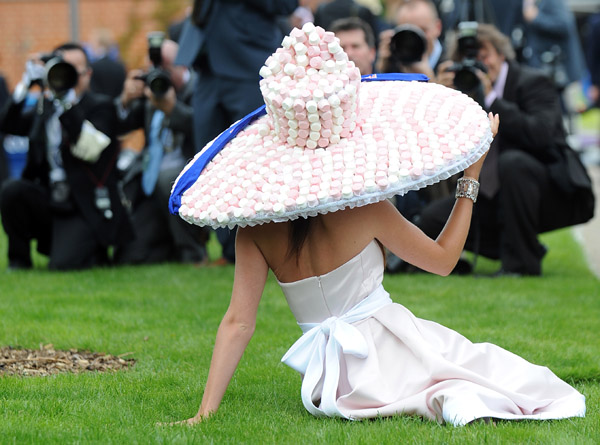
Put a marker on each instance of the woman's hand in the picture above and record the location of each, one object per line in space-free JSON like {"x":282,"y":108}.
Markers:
{"x":494,"y":123}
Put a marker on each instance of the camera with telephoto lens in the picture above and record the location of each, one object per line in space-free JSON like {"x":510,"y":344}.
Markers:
{"x":465,"y":77}
{"x":408,"y":44}
{"x":60,"y":76}
{"x":157,"y":79}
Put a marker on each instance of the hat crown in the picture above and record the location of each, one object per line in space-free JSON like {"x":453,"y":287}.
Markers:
{"x":310,"y":89}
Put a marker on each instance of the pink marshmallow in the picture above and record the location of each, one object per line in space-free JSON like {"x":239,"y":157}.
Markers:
{"x":323,"y":105}
{"x":316,"y":62}
{"x":313,"y":51}
{"x":303,"y":133}
{"x":323,"y":142}
{"x":328,"y":37}
{"x":299,"y":105}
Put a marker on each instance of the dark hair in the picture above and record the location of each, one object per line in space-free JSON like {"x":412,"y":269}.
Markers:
{"x":487,"y":33}
{"x":299,"y":230}
{"x":354,"y":23}
{"x":69,"y":46}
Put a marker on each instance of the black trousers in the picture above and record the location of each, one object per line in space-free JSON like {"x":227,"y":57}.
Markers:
{"x":160,"y":236}
{"x":66,"y":237}
{"x":507,"y":226}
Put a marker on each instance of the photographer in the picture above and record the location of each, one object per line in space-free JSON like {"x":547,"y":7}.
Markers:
{"x":67,"y":198}
{"x":414,"y":45}
{"x":158,"y":101}
{"x":531,"y":182}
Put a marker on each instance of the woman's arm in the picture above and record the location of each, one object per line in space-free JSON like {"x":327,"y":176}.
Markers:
{"x":237,"y":326}
{"x":408,"y":242}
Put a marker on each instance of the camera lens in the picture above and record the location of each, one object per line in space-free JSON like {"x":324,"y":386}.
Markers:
{"x":60,"y":75}
{"x":408,"y":44}
{"x":466,"y":80}
{"x":159,"y":82}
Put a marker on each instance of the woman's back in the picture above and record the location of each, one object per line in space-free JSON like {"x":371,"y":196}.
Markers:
{"x":332,"y":239}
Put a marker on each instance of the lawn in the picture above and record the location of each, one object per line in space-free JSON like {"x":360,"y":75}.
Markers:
{"x":166,"y":316}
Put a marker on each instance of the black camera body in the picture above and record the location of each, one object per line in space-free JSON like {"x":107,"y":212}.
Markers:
{"x":465,"y":77}
{"x":157,"y":79}
{"x":408,"y":44}
{"x":60,"y":76}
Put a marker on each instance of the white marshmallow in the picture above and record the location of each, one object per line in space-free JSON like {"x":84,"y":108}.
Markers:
{"x":300,"y":48}
{"x":311,"y":106}
{"x":302,"y":60}
{"x":263,"y":129}
{"x":334,"y":47}
{"x":289,"y":69}
{"x":334,"y":101}
{"x":309,"y":27}
{"x":288,"y":41}
{"x":328,"y":66}
{"x":274,"y":66}
{"x":265,"y":72}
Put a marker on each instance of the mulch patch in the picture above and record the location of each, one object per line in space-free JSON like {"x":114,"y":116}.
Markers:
{"x":47,"y":361}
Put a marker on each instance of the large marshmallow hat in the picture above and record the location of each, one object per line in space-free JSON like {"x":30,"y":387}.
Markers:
{"x":325,"y":140}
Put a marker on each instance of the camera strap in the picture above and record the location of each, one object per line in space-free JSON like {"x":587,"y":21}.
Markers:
{"x":101,"y":195}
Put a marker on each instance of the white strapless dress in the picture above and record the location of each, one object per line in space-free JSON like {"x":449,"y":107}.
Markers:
{"x":364,"y":356}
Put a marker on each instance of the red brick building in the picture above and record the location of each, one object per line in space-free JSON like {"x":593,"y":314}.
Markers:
{"x":28,"y":26}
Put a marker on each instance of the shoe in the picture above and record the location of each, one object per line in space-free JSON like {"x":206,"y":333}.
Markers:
{"x":15,"y":265}
{"x":220,"y":262}
{"x":511,"y":274}
{"x":394,"y":265}
{"x":463,"y":267}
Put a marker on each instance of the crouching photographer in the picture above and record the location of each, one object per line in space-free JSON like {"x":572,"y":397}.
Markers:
{"x":67,"y":199}
{"x":532,"y":181}
{"x":157,"y":101}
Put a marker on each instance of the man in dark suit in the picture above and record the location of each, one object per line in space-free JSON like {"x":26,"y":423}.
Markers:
{"x":527,"y":187}
{"x":160,"y":236}
{"x":227,"y":42}
{"x":3,"y":161}
{"x":67,"y":199}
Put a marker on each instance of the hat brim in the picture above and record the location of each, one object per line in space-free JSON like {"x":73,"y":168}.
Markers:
{"x":408,"y":135}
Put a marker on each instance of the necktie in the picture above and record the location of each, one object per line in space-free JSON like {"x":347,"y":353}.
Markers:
{"x":155,"y":154}
{"x":490,"y":182}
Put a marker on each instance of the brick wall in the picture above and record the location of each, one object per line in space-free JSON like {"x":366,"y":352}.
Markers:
{"x":28,"y":26}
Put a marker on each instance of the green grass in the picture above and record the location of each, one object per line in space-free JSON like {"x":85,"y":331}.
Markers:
{"x":167,"y":316}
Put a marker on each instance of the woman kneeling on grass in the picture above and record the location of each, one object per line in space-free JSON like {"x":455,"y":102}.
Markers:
{"x":307,"y":184}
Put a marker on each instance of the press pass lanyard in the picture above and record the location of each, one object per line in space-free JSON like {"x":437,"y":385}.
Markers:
{"x":101,"y":194}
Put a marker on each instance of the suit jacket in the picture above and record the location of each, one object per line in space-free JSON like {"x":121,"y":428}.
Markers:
{"x":237,"y":38}
{"x":83,"y":177}
{"x":139,"y":115}
{"x":555,"y":26}
{"x":530,"y":114}
{"x":108,"y":76}
{"x":531,"y":121}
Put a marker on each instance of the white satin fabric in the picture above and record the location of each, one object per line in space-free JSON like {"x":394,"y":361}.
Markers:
{"x":362,"y":356}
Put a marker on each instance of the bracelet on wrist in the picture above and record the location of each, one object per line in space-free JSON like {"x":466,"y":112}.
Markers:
{"x":467,"y":188}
